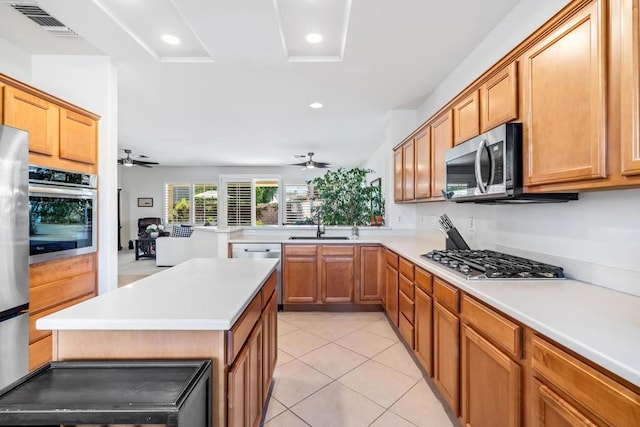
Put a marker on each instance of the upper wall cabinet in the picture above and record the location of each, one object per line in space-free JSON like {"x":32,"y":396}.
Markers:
{"x":422,"y":147}
{"x":441,"y":141}
{"x":630,"y":89}
{"x":35,"y":115}
{"x":565,"y":100}
{"x":408,"y":164}
{"x":499,"y":98}
{"x":61,"y":135}
{"x":466,"y":118}
{"x":397,"y":175}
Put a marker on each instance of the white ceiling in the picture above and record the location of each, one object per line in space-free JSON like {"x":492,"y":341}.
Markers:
{"x":237,"y":92}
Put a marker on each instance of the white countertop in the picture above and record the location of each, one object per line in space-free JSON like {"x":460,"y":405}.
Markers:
{"x":199,"y":294}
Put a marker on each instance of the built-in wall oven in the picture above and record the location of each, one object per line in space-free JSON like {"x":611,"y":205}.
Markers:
{"x":62,"y":213}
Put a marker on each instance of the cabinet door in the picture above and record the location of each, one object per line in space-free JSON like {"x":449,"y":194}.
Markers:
{"x":565,"y":101}
{"x":424,"y":330}
{"x":397,"y":175}
{"x":371,"y":274}
{"x":441,"y":141}
{"x":78,"y":137}
{"x":391,"y":300}
{"x":490,"y":384}
{"x":255,"y":383}
{"x":2,"y":88}
{"x":38,"y":117}
{"x":550,"y":410}
{"x":238,"y":377}
{"x":299,"y":278}
{"x":499,"y":98}
{"x":408,"y":161}
{"x":446,"y":356}
{"x":423,"y":164}
{"x":630,"y":88}
{"x":269,"y":343}
{"x":337,"y":279}
{"x":466,"y":118}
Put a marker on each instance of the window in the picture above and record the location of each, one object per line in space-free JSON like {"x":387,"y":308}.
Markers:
{"x":297,"y":204}
{"x":249,"y":200}
{"x":191,"y":203}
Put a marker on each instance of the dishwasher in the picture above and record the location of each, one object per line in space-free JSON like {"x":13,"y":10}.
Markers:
{"x":262,"y":250}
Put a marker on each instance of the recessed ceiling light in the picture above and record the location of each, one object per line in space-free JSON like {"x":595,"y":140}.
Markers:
{"x":169,"y":39}
{"x":316,"y":105}
{"x":314,"y":38}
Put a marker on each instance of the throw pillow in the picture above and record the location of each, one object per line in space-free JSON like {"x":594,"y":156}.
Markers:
{"x":182,"y":231}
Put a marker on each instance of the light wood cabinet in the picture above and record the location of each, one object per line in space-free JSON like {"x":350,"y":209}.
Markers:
{"x":270,"y":343}
{"x":61,"y":135}
{"x":630,"y":88}
{"x":422,"y":168}
{"x":550,"y":410}
{"x":441,"y":141}
{"x":408,"y":178}
{"x":337,"y":273}
{"x":565,"y":102}
{"x":35,"y":115}
{"x":491,"y":383}
{"x":245,"y":383}
{"x":466,"y":118}
{"x":424,"y":330}
{"x":499,"y":98}
{"x":371,"y":275}
{"x":391,"y":286}
{"x":78,"y":137}
{"x":446,"y":355}
{"x":300,"y":274}
{"x":397,"y":175}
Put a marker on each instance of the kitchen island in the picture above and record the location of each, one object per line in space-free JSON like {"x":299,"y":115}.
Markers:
{"x":219,"y":309}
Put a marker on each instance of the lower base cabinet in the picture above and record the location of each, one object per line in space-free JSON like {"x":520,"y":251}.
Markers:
{"x":446,"y":355}
{"x":269,"y":343}
{"x":424,"y":330}
{"x":491,"y":383}
{"x":550,"y":410}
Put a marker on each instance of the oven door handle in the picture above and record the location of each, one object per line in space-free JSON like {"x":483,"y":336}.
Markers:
{"x":61,"y":191}
{"x":478,"y":169}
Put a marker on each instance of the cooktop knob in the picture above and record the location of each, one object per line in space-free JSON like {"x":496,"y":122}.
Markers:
{"x":444,"y":261}
{"x":436,"y":257}
{"x":465,"y":268}
{"x":453,"y":264}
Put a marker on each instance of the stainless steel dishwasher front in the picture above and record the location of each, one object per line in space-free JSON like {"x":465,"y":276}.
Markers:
{"x":262,"y":250}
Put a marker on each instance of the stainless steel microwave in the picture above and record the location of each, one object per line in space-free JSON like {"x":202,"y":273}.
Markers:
{"x":488,"y":169}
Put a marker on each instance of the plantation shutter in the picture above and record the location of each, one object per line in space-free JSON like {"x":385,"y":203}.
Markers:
{"x":205,"y":203}
{"x":239,"y":203}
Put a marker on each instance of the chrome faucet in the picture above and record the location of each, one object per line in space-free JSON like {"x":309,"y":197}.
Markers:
{"x":321,"y":229}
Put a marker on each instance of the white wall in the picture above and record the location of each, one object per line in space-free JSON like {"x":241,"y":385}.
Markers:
{"x":91,"y":82}
{"x":15,"y":62}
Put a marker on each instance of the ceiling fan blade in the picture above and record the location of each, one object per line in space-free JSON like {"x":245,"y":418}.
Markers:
{"x":144,"y":162}
{"x":120,"y":161}
{"x":141,"y":164}
{"x":322,"y":165}
{"x":299,"y":164}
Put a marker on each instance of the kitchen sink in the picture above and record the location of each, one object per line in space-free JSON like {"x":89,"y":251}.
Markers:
{"x":319,"y":238}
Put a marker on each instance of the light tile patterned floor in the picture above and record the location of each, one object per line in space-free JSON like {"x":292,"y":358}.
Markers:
{"x":347,"y":369}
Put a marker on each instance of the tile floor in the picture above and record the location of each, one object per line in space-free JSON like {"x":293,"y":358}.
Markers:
{"x":347,"y":369}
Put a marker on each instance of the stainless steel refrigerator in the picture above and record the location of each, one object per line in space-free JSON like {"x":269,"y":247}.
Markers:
{"x":14,"y":255}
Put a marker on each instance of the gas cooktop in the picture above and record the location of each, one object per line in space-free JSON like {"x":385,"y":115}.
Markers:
{"x":491,"y":265}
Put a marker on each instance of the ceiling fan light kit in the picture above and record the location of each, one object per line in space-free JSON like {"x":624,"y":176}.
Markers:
{"x":128,"y":161}
{"x":311,"y":164}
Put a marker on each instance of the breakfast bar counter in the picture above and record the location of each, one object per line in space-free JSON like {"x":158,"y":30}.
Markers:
{"x":219,"y":309}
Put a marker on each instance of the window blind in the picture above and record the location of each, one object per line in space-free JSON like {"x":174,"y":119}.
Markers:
{"x":239,"y":204}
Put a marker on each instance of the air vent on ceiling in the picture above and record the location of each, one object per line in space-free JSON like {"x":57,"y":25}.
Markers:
{"x":43,"y":19}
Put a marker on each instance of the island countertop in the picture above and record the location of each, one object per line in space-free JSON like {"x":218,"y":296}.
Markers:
{"x":199,"y":294}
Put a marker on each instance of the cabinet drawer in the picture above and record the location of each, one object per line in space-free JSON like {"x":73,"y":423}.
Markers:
{"x":406,"y":269}
{"x":338,"y":250}
{"x":446,"y":294}
{"x":35,"y":334}
{"x":406,"y":287}
{"x":606,"y":398}
{"x":391,"y":258}
{"x":500,"y":330}
{"x":424,"y":280}
{"x":51,"y":271}
{"x":300,"y":250}
{"x":40,"y":352}
{"x":268,"y":288}
{"x":406,"y":307}
{"x":52,"y":294}
{"x":406,"y":331}
{"x":240,"y":330}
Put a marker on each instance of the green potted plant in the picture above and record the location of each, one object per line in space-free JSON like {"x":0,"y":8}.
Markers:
{"x":346,"y":197}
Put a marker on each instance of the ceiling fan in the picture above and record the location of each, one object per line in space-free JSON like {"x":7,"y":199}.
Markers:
{"x":128,"y":161}
{"x":311,"y":164}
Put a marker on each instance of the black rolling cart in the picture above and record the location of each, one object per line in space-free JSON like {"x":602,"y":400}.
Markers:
{"x":175,"y":393}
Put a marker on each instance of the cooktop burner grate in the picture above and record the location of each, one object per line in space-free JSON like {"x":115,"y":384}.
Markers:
{"x":486,"y":264}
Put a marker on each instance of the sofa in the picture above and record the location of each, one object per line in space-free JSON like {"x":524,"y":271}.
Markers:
{"x":172,"y":250}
